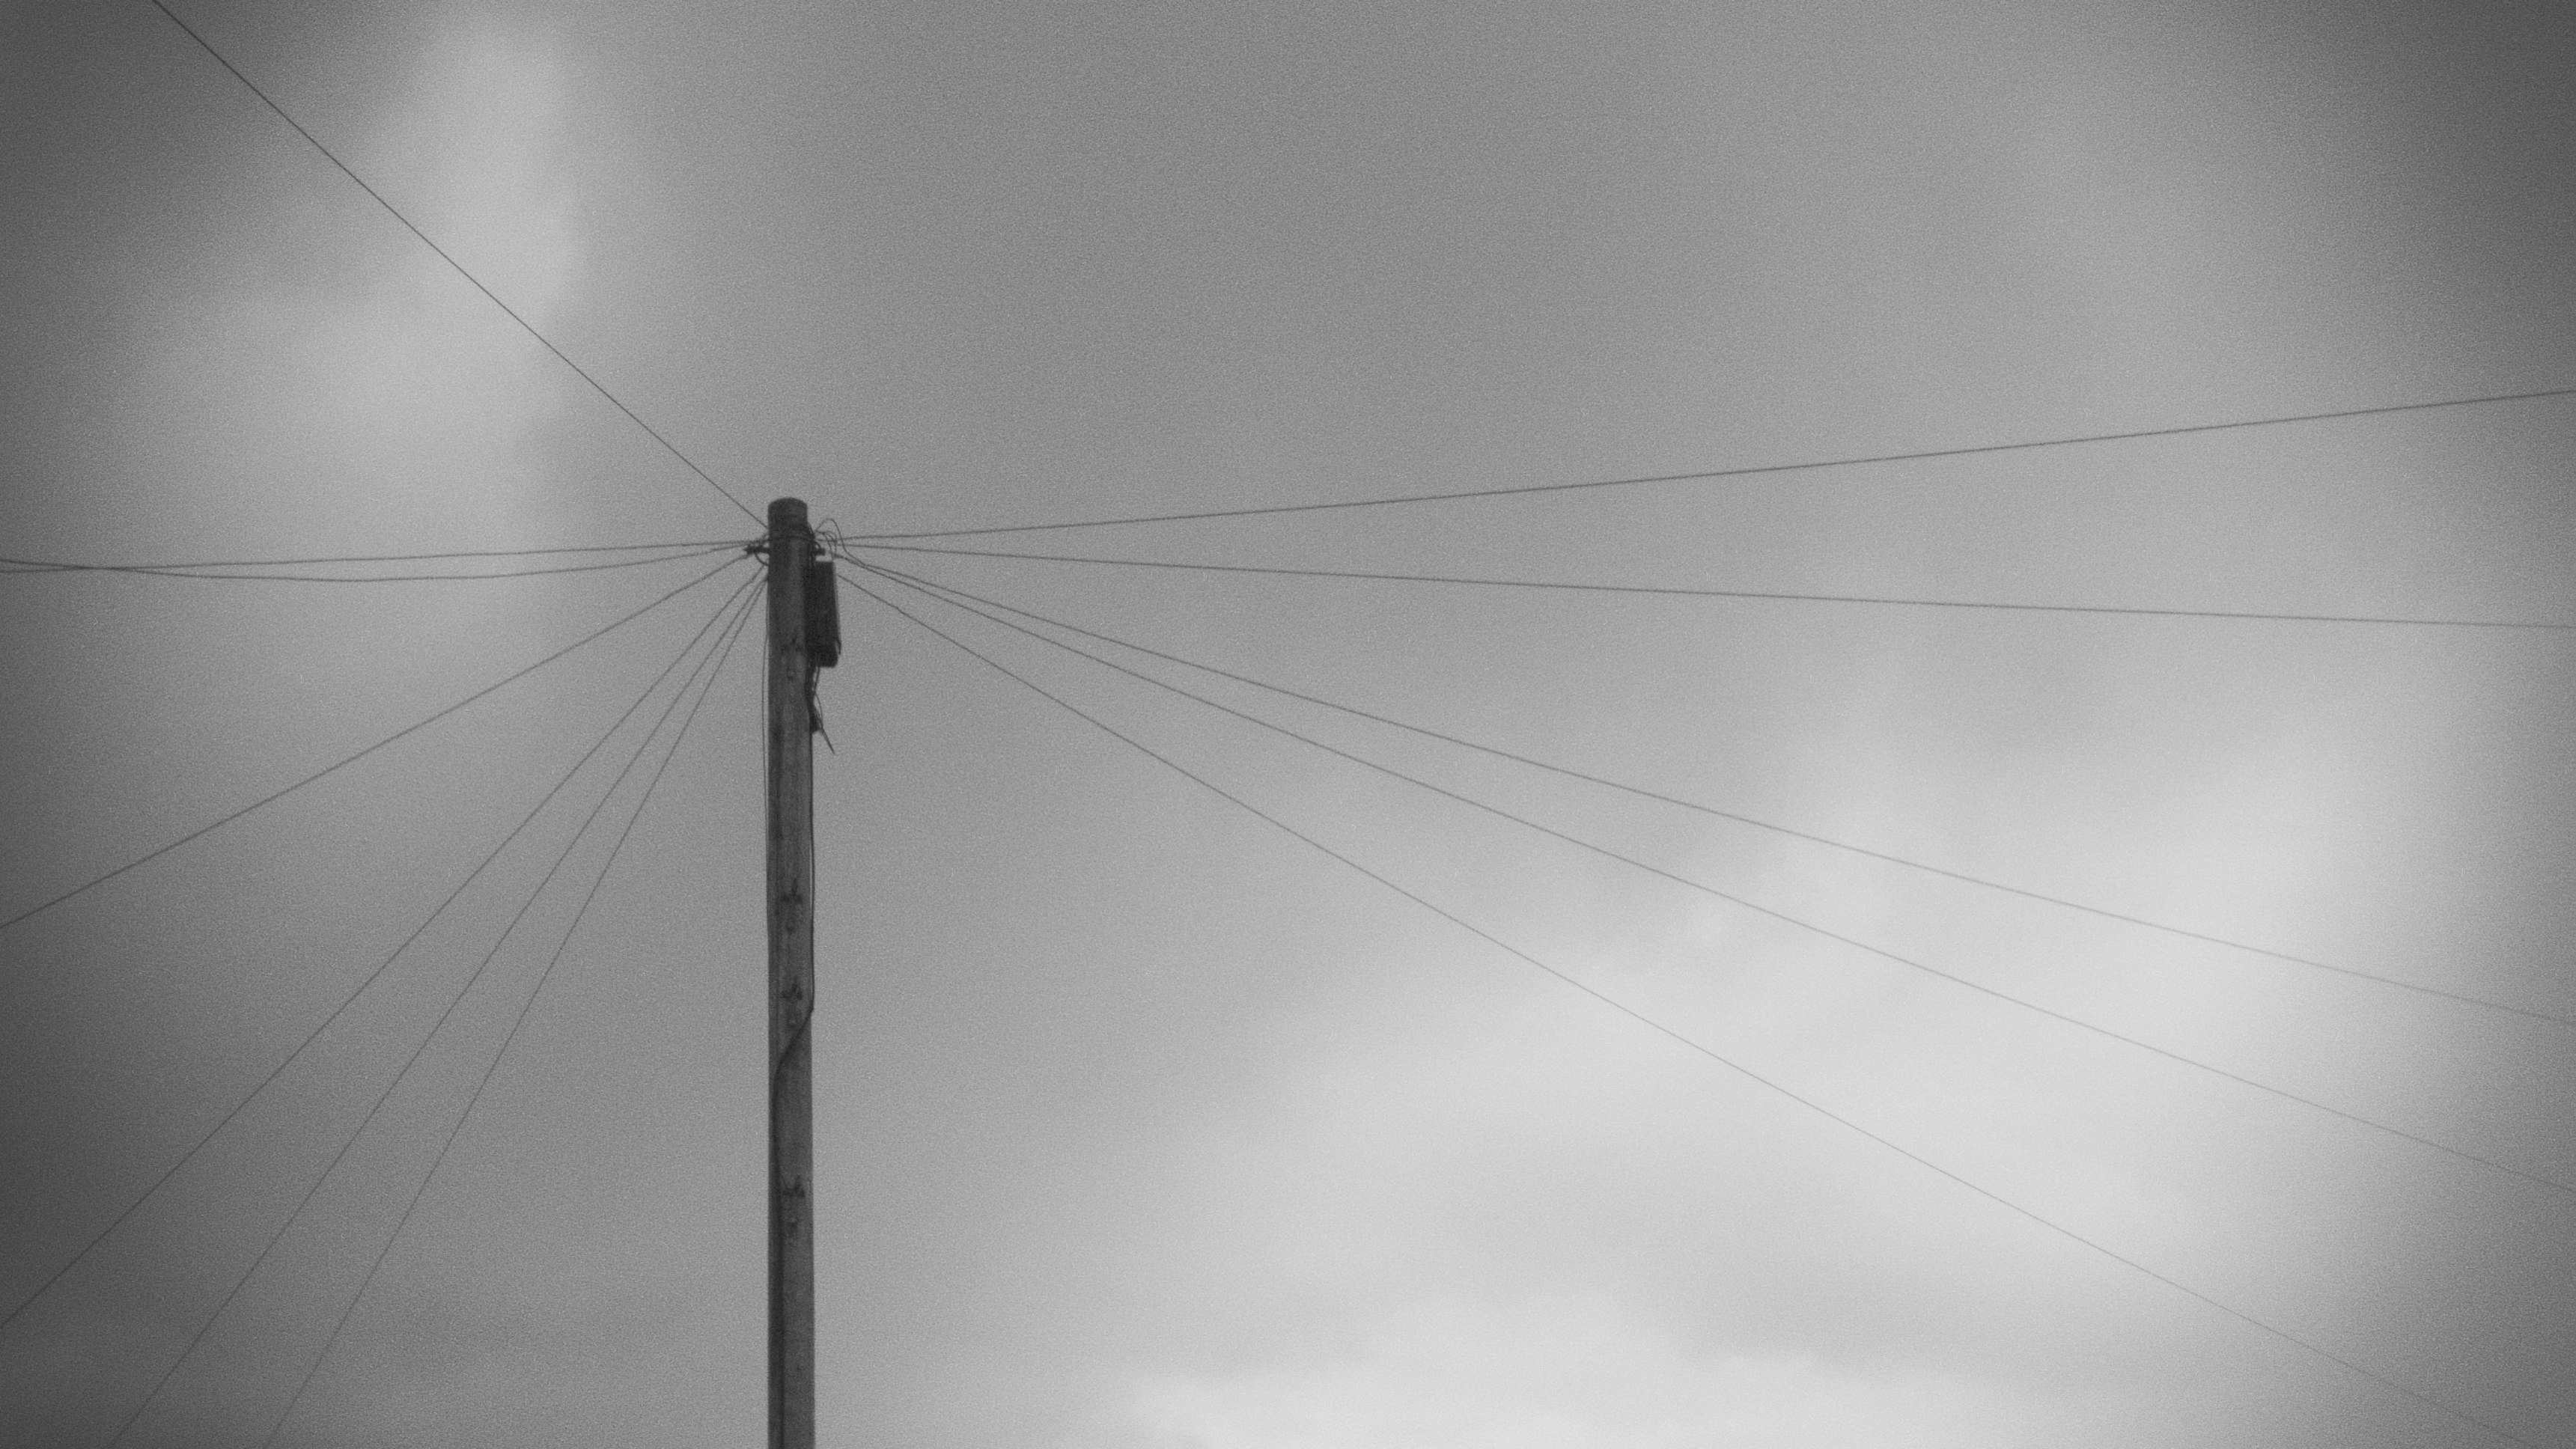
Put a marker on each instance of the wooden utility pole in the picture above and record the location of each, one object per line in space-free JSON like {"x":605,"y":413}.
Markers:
{"x":804,"y":636}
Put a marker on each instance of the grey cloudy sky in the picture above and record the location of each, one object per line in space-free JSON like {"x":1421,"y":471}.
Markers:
{"x":1142,"y":1125}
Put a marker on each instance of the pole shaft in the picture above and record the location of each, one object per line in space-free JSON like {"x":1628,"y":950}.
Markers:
{"x":790,"y":751}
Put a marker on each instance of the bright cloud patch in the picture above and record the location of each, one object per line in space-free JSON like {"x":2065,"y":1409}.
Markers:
{"x":1560,"y":1377}
{"x":355,"y":388}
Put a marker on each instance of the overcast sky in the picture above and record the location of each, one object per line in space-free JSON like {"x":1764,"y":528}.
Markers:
{"x":1141,"y":1124}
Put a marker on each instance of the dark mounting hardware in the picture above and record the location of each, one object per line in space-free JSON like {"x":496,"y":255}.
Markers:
{"x":822,"y":613}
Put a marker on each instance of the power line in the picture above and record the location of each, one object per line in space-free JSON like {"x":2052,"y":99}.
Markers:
{"x":352,"y":759}
{"x":1706,"y":475}
{"x":506,"y":309}
{"x":39,"y":566}
{"x":1694,"y":1045}
{"x":722,"y":651}
{"x":1697,"y":593}
{"x":1643,"y":793}
{"x":1782,"y":916}
{"x":387,"y":964}
{"x":642,"y":747}
{"x":346,"y":558}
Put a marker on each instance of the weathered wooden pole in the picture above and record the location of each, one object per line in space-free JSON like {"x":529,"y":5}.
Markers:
{"x":804,"y":635}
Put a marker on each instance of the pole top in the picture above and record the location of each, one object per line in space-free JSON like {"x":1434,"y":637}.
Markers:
{"x":786,"y":513}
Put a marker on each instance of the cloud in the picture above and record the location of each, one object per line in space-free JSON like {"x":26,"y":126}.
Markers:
{"x":1387,"y":1240}
{"x":1432,"y":1374}
{"x":352,"y":385}
{"x":260,"y":363}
